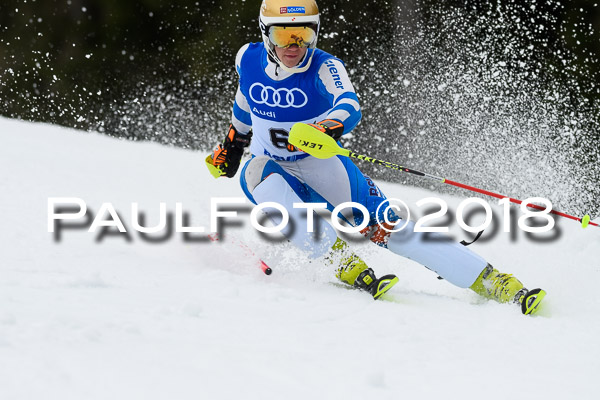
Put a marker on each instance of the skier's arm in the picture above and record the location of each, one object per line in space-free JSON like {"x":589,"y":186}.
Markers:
{"x":225,"y":159}
{"x":333,"y":81}
{"x":240,"y":115}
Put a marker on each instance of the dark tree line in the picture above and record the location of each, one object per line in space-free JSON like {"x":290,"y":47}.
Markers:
{"x":439,"y":81}
{"x":68,"y":61}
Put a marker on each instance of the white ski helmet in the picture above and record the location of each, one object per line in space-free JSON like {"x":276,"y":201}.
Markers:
{"x":287,"y":22}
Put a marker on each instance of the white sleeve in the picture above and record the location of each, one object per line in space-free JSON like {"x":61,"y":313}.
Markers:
{"x":240,"y":114}
{"x":335,"y":81}
{"x":238,"y":57}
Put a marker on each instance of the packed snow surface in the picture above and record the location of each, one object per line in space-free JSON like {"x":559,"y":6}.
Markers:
{"x":106,"y":317}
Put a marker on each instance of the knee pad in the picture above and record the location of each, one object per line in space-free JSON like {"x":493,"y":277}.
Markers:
{"x":252,"y":174}
{"x":378,"y":213}
{"x":259,"y":168}
{"x":381,"y":221}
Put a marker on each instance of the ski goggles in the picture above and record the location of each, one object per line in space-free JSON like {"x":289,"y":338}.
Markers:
{"x":286,"y":36}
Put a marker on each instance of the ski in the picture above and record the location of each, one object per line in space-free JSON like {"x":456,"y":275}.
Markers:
{"x":532,"y":300}
{"x":383,"y":284}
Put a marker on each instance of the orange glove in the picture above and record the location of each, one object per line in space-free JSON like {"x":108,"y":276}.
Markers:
{"x":333,"y":128}
{"x":225,"y":159}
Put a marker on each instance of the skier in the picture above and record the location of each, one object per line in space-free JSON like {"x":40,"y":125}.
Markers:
{"x":286,"y":80}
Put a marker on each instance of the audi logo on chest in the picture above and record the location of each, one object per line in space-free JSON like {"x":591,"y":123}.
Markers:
{"x":282,"y":97}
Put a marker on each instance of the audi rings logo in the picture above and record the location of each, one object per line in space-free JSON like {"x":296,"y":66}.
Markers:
{"x":283,"y":98}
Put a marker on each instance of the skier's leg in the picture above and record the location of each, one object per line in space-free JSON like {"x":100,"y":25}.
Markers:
{"x":451,"y":260}
{"x":462,"y":267}
{"x":336,"y":180}
{"x":266,"y":180}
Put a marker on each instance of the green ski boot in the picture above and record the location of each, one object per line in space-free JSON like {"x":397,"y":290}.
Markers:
{"x":505,"y":288}
{"x":353,"y":271}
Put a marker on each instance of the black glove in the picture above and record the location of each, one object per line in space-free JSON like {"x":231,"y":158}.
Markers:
{"x":333,"y":128}
{"x":226,"y":157}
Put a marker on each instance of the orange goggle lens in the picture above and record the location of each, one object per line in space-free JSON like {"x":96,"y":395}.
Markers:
{"x":285,"y":36}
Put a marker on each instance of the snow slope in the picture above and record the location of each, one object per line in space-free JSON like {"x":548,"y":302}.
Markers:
{"x":118,"y":319}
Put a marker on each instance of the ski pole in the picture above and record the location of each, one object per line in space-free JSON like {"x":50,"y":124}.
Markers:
{"x":249,"y":253}
{"x":321,"y":145}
